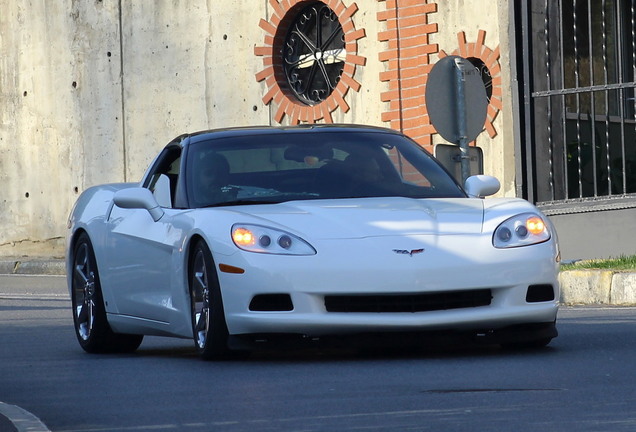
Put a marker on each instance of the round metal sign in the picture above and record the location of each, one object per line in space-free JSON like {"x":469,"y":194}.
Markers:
{"x":456,"y":99}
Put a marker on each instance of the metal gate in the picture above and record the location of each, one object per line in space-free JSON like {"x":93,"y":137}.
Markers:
{"x":577,"y":63}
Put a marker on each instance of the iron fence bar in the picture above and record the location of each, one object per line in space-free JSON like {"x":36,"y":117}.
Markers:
{"x":607,"y":99}
{"x":517,"y":95}
{"x":590,"y":31}
{"x":621,"y":92}
{"x":600,"y":117}
{"x":528,"y":103}
{"x":575,"y":90}
{"x":563,"y":102}
{"x":546,"y":35}
{"x":577,"y":98}
{"x":583,"y":205}
{"x":633,"y":11}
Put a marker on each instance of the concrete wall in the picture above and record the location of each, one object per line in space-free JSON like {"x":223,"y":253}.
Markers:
{"x":91,"y":90}
{"x":60,"y":114}
{"x":596,"y":234}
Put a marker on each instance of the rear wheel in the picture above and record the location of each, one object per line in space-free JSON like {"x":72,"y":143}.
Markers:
{"x":89,"y":314}
{"x":208,"y":317}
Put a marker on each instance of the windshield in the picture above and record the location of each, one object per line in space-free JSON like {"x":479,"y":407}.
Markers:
{"x":274,"y":168}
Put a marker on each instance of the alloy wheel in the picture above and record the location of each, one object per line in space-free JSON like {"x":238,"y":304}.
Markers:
{"x":84,"y":292}
{"x":201,"y":300}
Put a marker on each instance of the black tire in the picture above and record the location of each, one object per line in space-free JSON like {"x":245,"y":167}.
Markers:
{"x":89,"y":314}
{"x":209,"y":328}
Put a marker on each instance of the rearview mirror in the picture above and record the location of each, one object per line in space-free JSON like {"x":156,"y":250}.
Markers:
{"x":138,"y":198}
{"x":479,"y":186}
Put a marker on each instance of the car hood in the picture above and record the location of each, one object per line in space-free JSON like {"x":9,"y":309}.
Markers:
{"x":371,"y":217}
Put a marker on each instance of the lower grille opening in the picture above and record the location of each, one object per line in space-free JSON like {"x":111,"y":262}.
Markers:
{"x":271,"y":303}
{"x":408,"y":302}
{"x":540,"y":293}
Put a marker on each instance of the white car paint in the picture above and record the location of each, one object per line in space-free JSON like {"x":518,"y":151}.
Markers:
{"x":144,"y":264}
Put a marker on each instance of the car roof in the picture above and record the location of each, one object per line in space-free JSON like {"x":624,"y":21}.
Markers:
{"x":266,"y":130}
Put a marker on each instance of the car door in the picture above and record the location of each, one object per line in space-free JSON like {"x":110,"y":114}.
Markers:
{"x":139,"y":258}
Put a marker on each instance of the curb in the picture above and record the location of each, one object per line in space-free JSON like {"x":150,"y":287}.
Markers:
{"x":14,"y":418}
{"x":602,"y":287}
{"x":32,"y":266}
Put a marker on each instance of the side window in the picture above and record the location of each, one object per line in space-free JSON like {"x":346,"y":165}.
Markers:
{"x":160,"y":187}
{"x":163,"y":178}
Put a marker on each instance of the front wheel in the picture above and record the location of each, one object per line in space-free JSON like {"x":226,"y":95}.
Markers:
{"x":208,"y":317}
{"x":89,"y":314}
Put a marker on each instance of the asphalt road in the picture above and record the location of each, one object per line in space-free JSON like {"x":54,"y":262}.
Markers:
{"x":585,"y":381}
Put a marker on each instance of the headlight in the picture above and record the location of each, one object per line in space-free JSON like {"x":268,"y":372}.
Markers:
{"x":522,"y":230}
{"x":260,"y":239}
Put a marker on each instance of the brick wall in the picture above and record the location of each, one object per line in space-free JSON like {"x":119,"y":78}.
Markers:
{"x":408,"y":61}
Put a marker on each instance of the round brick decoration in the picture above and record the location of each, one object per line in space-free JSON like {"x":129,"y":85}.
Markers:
{"x":293,"y":58}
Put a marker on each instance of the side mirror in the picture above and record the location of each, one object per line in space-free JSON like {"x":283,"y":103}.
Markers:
{"x":479,"y":186}
{"x":138,"y":198}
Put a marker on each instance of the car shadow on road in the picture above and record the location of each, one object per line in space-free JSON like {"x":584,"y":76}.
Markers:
{"x":168,"y":348}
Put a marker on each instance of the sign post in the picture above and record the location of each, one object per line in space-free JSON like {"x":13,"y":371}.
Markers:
{"x":457,"y":103}
{"x":460,"y":82}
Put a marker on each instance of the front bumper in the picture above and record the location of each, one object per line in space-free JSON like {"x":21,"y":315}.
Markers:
{"x":370,"y":267}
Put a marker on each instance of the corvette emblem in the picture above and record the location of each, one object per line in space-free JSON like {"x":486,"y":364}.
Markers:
{"x":407,"y":252}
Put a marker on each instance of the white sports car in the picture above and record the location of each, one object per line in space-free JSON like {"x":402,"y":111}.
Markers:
{"x":242,"y":236}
